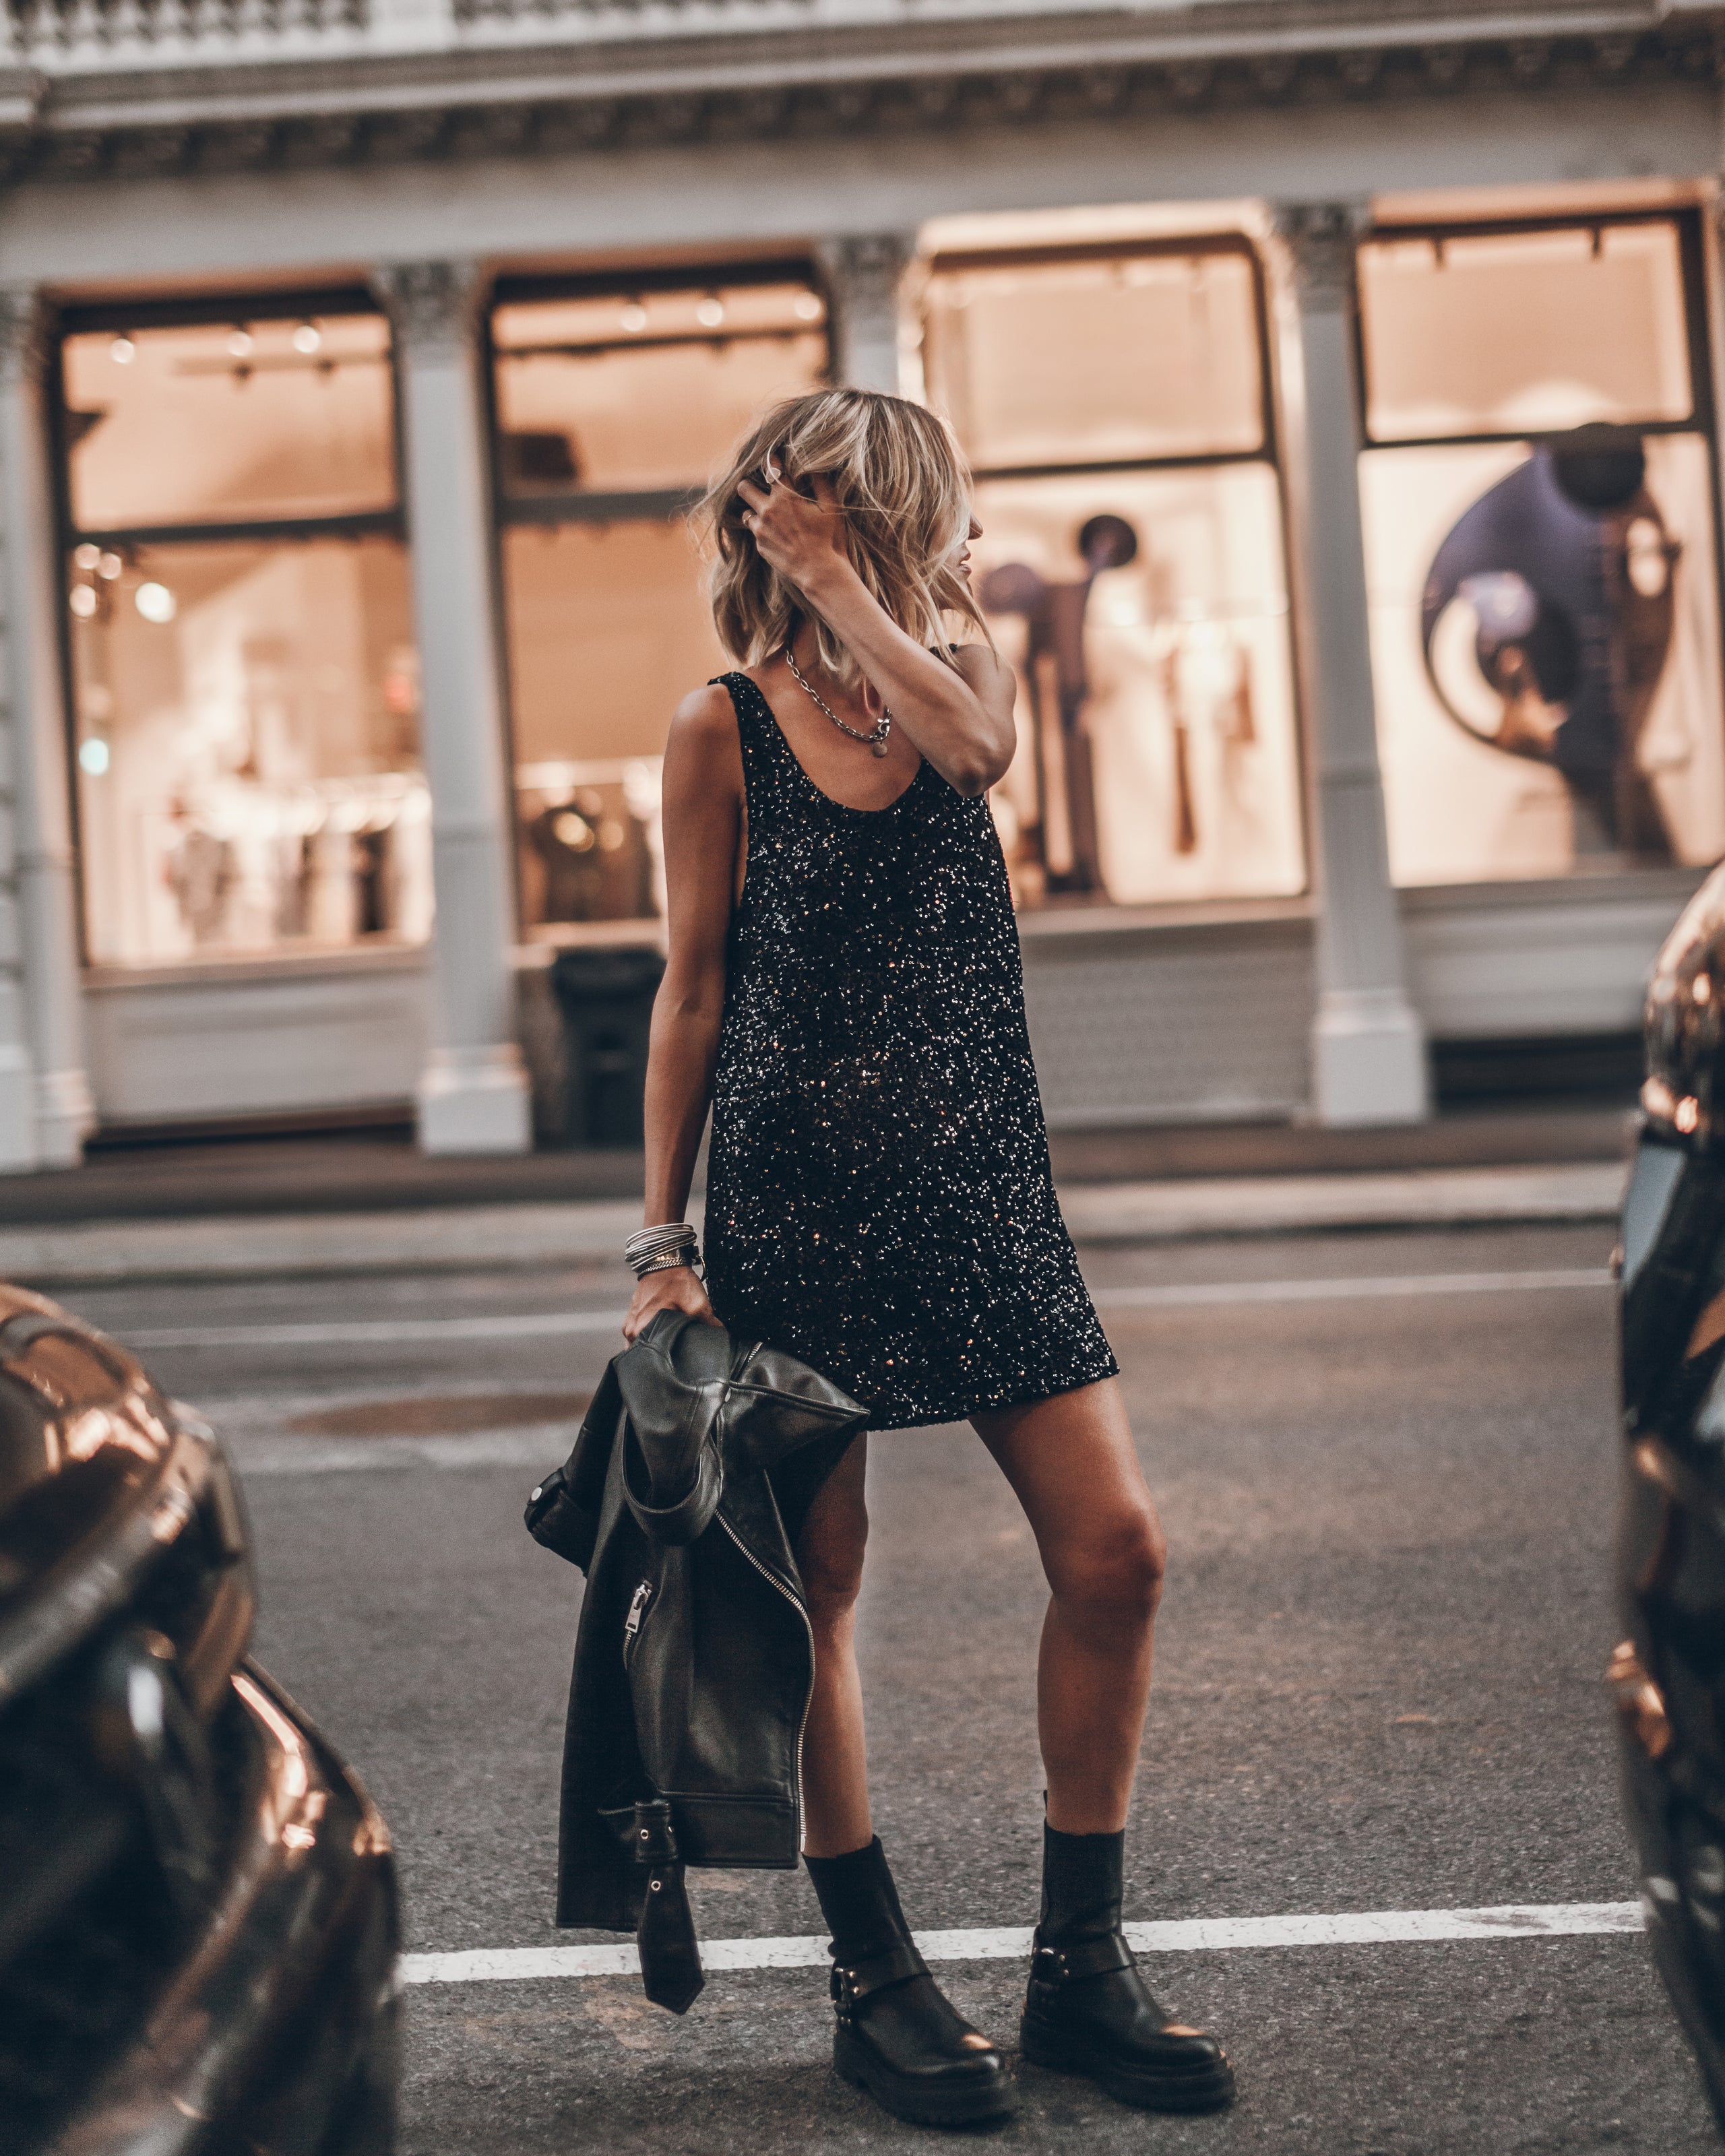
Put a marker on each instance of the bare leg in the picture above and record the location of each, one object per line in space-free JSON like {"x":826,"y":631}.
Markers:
{"x":1071,"y":1463}
{"x":829,"y":1556}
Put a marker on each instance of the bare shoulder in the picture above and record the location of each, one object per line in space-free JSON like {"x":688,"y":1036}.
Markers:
{"x":703,"y":738}
{"x":705,"y":715}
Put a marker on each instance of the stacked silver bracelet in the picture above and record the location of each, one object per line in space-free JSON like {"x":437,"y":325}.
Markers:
{"x":657,"y":1249}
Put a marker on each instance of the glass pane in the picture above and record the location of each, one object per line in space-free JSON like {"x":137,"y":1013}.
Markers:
{"x":1545,"y":646}
{"x":230,"y":420}
{"x":609,"y":631}
{"x":621,"y":393}
{"x":1148,"y":616}
{"x":1088,"y":362}
{"x":1524,"y":331}
{"x":247,"y":749}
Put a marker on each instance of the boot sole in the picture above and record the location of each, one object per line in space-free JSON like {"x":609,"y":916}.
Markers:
{"x":1212,"y":2089}
{"x":915,"y":2104}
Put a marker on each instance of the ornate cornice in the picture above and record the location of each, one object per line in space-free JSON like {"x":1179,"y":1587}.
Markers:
{"x":814,"y":81}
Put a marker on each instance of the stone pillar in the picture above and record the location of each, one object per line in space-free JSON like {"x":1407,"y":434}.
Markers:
{"x":473,"y":1094}
{"x":862,"y":272}
{"x":33,"y":593}
{"x":1368,"y":1054}
{"x":17,"y":1105}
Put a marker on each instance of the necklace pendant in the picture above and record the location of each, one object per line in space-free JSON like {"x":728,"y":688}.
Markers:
{"x":877,"y":748}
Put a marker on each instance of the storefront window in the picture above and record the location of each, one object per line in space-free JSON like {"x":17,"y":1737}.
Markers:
{"x":1112,"y":405}
{"x":245,"y":685}
{"x":614,"y":406}
{"x":1538,"y":497}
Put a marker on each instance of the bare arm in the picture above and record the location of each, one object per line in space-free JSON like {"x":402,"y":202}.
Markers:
{"x":703,"y":824}
{"x":962,"y":722}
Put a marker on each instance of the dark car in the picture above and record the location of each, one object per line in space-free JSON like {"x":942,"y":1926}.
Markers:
{"x":1669,"y":1673}
{"x":198,"y":1901}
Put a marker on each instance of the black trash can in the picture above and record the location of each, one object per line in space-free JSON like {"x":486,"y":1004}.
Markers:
{"x":605,"y":999}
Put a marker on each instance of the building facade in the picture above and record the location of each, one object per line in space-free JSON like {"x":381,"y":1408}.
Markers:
{"x":1341,"y":400}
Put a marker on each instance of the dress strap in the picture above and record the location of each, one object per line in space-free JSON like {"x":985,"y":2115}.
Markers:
{"x":765,"y":751}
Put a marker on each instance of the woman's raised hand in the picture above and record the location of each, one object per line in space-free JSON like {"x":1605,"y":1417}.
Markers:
{"x":803,"y":540}
{"x":678,"y":1287}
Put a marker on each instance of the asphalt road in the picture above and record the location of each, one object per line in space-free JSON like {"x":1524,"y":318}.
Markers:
{"x":1378,"y":1688}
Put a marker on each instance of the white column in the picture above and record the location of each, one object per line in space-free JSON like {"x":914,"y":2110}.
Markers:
{"x":32,"y":590}
{"x":1368,"y":1053}
{"x":862,"y":272}
{"x":17,"y":1106}
{"x":473,"y":1094}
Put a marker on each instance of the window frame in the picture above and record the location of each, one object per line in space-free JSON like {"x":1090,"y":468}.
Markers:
{"x":630,"y":504}
{"x":1701,"y":417}
{"x":117,"y":317}
{"x":1698,"y":286}
{"x":663,"y":505}
{"x":955,"y":261}
{"x":1102,"y":912}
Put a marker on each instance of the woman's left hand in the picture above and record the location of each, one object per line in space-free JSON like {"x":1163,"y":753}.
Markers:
{"x":803,"y":540}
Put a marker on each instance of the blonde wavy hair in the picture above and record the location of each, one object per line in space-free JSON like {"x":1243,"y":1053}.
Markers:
{"x":901,"y":484}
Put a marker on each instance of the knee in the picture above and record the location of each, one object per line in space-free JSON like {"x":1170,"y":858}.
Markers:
{"x":832,"y":1567}
{"x":1114,"y":1575}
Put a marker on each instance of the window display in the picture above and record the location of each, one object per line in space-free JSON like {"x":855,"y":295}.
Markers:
{"x":1136,"y":580}
{"x":245,"y":708}
{"x":1546,"y":638}
{"x":203,"y":422}
{"x":612,"y":409}
{"x":1166,"y":345}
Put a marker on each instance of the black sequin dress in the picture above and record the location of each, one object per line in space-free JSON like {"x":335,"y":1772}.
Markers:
{"x":879,"y":1198}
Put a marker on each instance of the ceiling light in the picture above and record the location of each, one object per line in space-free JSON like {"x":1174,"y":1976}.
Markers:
{"x":240,"y":343}
{"x":155,"y":603}
{"x":122,"y":351}
{"x":711,"y":312}
{"x":307,"y":337}
{"x":87,"y":555}
{"x":83,"y":600}
{"x":108,"y":566}
{"x":93,"y":755}
{"x":634,"y":317}
{"x":807,"y":307}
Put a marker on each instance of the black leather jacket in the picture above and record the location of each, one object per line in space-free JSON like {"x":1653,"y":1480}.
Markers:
{"x":694,"y":1659}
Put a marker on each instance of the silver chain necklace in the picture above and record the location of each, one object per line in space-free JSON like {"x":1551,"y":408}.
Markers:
{"x":875,"y":741}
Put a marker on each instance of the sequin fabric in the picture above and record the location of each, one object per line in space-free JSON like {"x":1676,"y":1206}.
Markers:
{"x":879,"y":1198}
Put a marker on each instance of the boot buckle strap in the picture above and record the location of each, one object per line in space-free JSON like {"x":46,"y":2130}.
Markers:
{"x":1083,"y":1958}
{"x":853,"y":1980}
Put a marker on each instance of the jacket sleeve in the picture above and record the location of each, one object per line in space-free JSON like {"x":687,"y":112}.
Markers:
{"x":563,"y":1511}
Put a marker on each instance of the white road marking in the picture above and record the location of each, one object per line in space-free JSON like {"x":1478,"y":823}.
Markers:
{"x":1196,"y":1935}
{"x":537,"y":1446}
{"x":1181,"y":1295}
{"x":383,"y":1332}
{"x":557,"y":1324}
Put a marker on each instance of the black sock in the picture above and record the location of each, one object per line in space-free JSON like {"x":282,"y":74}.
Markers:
{"x":858,"y":1901}
{"x":1081,"y":1884}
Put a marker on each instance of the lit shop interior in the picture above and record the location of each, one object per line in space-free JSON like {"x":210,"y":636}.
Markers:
{"x":1540,"y":493}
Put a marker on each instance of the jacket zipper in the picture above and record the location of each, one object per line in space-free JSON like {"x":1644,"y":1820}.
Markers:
{"x":773,"y":1580}
{"x":636,"y":1609}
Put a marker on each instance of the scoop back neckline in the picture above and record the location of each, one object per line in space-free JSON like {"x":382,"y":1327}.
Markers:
{"x":846,"y":808}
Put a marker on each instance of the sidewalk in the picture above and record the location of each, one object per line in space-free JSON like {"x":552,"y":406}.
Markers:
{"x":305,"y":1208}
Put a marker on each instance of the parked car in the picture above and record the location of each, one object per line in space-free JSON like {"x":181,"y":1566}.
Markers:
{"x":198,"y":1901}
{"x":1669,"y":1673}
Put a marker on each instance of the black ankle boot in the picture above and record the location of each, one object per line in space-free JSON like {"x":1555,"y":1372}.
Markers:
{"x":1088,"y":2010}
{"x":896,"y":2036}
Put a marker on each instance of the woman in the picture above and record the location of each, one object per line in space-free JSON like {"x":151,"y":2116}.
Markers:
{"x":843,"y":986}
